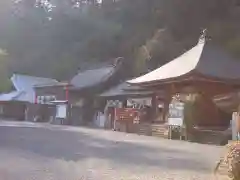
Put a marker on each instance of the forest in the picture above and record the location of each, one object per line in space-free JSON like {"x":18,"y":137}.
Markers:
{"x":59,"y":40}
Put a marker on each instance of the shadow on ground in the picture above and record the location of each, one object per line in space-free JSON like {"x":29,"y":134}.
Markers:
{"x":76,"y":146}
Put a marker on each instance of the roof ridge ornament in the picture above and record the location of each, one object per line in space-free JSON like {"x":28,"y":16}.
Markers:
{"x":202,"y":38}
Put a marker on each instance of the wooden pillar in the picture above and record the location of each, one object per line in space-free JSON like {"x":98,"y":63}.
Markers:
{"x":167,"y":102}
{"x":67,"y":92}
{"x":238,"y":123}
{"x":169,"y":91}
{"x":154,"y":107}
{"x":124,"y":103}
{"x":35,"y":98}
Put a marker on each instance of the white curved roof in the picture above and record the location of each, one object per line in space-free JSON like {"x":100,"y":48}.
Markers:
{"x":204,"y":58}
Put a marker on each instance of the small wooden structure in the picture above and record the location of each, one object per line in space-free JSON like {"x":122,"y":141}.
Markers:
{"x":61,"y":115}
{"x":138,"y":119}
{"x":124,"y":92}
{"x":13,"y":105}
{"x":13,"y":110}
{"x":80,"y":92}
{"x":87,"y":85}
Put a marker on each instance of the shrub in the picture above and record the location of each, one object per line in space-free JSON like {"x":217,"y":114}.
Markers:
{"x":232,"y":160}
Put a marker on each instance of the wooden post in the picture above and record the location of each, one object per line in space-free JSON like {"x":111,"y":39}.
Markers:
{"x":154,"y":107}
{"x":124,"y":104}
{"x":35,"y":99}
{"x":238,"y":123}
{"x":169,"y":132}
{"x":67,"y":92}
{"x":169,"y":92}
{"x":114,"y":120}
{"x":167,"y":102}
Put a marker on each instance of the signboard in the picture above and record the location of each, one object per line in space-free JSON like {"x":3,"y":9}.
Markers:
{"x":61,"y":111}
{"x":176,"y":114}
{"x":139,"y":103}
{"x":45,"y":99}
{"x":126,"y":114}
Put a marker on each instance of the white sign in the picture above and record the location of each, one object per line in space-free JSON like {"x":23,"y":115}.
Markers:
{"x":176,"y":114}
{"x":61,"y":111}
{"x":45,"y":99}
{"x":139,"y":103}
{"x":234,"y":125}
{"x":175,"y":121}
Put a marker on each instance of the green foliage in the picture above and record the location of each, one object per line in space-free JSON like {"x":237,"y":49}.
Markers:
{"x":232,"y":160}
{"x":123,"y":28}
{"x":233,"y":46}
{"x":5,"y":83}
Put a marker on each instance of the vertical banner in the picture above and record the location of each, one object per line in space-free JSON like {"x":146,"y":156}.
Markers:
{"x":176,"y":114}
{"x":234,"y":125}
{"x":238,"y":125}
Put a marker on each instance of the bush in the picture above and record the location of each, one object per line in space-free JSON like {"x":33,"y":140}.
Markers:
{"x":232,"y":160}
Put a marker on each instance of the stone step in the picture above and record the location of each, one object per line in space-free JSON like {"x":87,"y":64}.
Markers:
{"x":144,"y":130}
{"x":152,"y":130}
{"x":222,"y":172}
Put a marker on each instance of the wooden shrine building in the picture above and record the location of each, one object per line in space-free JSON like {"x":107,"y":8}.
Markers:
{"x":206,"y":70}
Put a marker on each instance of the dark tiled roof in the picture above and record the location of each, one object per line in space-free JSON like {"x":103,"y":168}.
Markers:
{"x":52,"y":84}
{"x":93,"y":77}
{"x":125,"y":90}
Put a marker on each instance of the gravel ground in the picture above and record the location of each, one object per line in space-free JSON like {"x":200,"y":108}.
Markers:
{"x":46,"y":152}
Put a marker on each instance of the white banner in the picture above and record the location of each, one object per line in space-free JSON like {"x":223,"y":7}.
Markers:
{"x":234,"y":126}
{"x":61,"y":111}
{"x":176,"y":114}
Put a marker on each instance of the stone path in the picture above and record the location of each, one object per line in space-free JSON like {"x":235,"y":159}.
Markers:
{"x":46,"y":152}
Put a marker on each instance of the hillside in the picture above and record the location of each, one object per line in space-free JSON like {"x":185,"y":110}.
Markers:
{"x":59,"y":46}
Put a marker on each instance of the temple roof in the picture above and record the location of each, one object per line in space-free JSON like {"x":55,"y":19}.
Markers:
{"x":124,"y":90}
{"x":101,"y":76}
{"x":204,"y":60}
{"x":90,"y":78}
{"x":24,"y":82}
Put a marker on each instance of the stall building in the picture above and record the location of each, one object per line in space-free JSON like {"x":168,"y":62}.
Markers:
{"x":16,"y":104}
